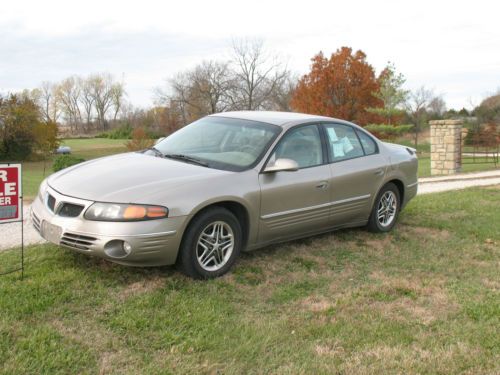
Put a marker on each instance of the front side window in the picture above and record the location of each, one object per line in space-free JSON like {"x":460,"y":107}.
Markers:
{"x":222,"y":143}
{"x":343,"y":142}
{"x":302,"y":144}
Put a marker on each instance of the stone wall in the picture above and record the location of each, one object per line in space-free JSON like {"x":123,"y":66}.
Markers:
{"x":445,"y":146}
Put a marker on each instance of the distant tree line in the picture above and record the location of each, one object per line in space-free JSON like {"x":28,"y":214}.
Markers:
{"x":342,"y":85}
{"x":81,"y":103}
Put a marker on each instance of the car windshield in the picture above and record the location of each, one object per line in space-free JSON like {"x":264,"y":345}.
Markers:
{"x":220,"y":142}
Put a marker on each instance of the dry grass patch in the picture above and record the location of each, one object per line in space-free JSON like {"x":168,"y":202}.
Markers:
{"x":380,"y":244}
{"x":108,"y":346}
{"x":140,"y":287}
{"x":455,"y":215}
{"x":316,"y":304}
{"x":329,"y":349}
{"x":397,"y":297}
{"x":409,"y":360}
{"x":186,"y":362}
{"x":425,"y":233}
{"x":109,"y":361}
{"x":85,"y":333}
{"x":494,"y":285}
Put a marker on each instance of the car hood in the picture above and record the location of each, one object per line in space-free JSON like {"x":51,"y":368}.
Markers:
{"x":129,"y":178}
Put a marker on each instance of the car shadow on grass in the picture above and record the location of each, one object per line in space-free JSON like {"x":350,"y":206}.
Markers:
{"x":287,"y":256}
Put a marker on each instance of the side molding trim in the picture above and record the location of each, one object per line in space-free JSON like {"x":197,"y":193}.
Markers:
{"x":311,"y":208}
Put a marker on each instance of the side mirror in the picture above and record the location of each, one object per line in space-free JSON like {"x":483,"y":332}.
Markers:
{"x":282,"y":165}
{"x":159,"y":140}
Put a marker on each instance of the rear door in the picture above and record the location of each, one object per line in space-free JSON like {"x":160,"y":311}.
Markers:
{"x":357,"y":171}
{"x":296,"y":203}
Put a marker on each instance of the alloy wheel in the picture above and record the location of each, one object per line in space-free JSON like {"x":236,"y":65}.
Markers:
{"x":215,"y":246}
{"x":387,"y":207}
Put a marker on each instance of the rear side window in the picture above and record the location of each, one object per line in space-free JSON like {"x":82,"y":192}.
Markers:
{"x":368,"y":143}
{"x":343,"y":142}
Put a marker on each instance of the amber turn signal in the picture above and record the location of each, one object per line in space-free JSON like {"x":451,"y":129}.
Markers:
{"x":134,"y":212}
{"x":156,"y":212}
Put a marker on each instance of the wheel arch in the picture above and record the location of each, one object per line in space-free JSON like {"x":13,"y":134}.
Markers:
{"x":236,"y":208}
{"x":401,"y":188}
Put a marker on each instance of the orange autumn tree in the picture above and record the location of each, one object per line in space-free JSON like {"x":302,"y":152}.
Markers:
{"x":341,"y":86}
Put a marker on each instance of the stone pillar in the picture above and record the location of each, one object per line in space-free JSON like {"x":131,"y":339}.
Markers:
{"x":445,"y":146}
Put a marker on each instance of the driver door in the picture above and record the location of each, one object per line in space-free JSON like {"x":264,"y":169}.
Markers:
{"x":296,"y":203}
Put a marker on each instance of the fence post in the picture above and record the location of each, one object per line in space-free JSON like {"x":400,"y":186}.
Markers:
{"x":445,"y":146}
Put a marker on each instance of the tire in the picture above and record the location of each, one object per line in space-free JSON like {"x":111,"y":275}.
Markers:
{"x":211,"y":244}
{"x":383,"y":219}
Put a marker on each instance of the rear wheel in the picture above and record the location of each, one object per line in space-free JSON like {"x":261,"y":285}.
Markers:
{"x":385,"y":209}
{"x":211,"y":244}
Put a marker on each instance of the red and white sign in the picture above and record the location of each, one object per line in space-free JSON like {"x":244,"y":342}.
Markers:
{"x":10,"y":193}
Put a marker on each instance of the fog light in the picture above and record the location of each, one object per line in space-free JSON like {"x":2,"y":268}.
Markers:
{"x":127,"y":247}
{"x":117,"y":249}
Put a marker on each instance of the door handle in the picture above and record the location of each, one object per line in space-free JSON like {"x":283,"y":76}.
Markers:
{"x":322,"y":185}
{"x":379,"y":172}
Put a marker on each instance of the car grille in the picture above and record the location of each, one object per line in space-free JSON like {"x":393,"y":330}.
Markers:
{"x":70,"y":210}
{"x":63,"y":209}
{"x":77,"y":241}
{"x":36,"y":222}
{"x":51,"y":202}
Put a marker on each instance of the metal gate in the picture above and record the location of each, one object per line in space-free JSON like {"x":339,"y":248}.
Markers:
{"x":481,"y":146}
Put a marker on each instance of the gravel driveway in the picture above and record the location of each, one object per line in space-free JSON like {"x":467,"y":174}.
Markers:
{"x":10,"y":234}
{"x":459,"y":181}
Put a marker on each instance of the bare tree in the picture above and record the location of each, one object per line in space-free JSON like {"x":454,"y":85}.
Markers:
{"x":87,"y":101}
{"x":416,"y":106}
{"x":48,"y":102}
{"x":180,"y":96}
{"x":437,"y":106}
{"x":253,"y":79}
{"x":46,"y":99}
{"x":68,"y":95}
{"x":117,"y":97}
{"x":257,"y":74}
{"x":101,"y":91}
{"x":282,"y":94}
{"x":211,"y":82}
{"x":200,"y":91}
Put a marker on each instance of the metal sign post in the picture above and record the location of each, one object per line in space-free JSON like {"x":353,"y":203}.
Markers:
{"x":11,"y":203}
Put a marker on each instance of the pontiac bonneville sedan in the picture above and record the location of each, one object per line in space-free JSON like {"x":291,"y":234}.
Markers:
{"x":227,"y":183}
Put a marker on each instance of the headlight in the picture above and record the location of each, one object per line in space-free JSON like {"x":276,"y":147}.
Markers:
{"x":124,"y":212}
{"x":42,"y":189}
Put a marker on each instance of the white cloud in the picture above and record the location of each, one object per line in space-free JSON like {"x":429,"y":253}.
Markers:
{"x":446,"y":45}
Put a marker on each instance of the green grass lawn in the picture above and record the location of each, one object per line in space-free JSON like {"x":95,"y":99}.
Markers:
{"x":95,"y":147}
{"x":422,"y":299}
{"x":424,"y":166}
{"x":424,"y":161}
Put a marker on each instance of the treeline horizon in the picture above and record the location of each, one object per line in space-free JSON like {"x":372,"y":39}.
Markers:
{"x":343,"y":85}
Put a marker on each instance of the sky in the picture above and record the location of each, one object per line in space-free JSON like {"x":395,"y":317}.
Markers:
{"x":452,"y":47}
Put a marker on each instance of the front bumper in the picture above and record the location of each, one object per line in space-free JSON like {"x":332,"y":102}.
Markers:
{"x":153,"y":242}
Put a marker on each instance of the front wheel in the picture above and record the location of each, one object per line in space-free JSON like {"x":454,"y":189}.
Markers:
{"x":211,"y":244}
{"x":385,"y":209}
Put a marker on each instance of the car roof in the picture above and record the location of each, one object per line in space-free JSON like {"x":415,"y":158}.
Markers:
{"x":274,"y":117}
